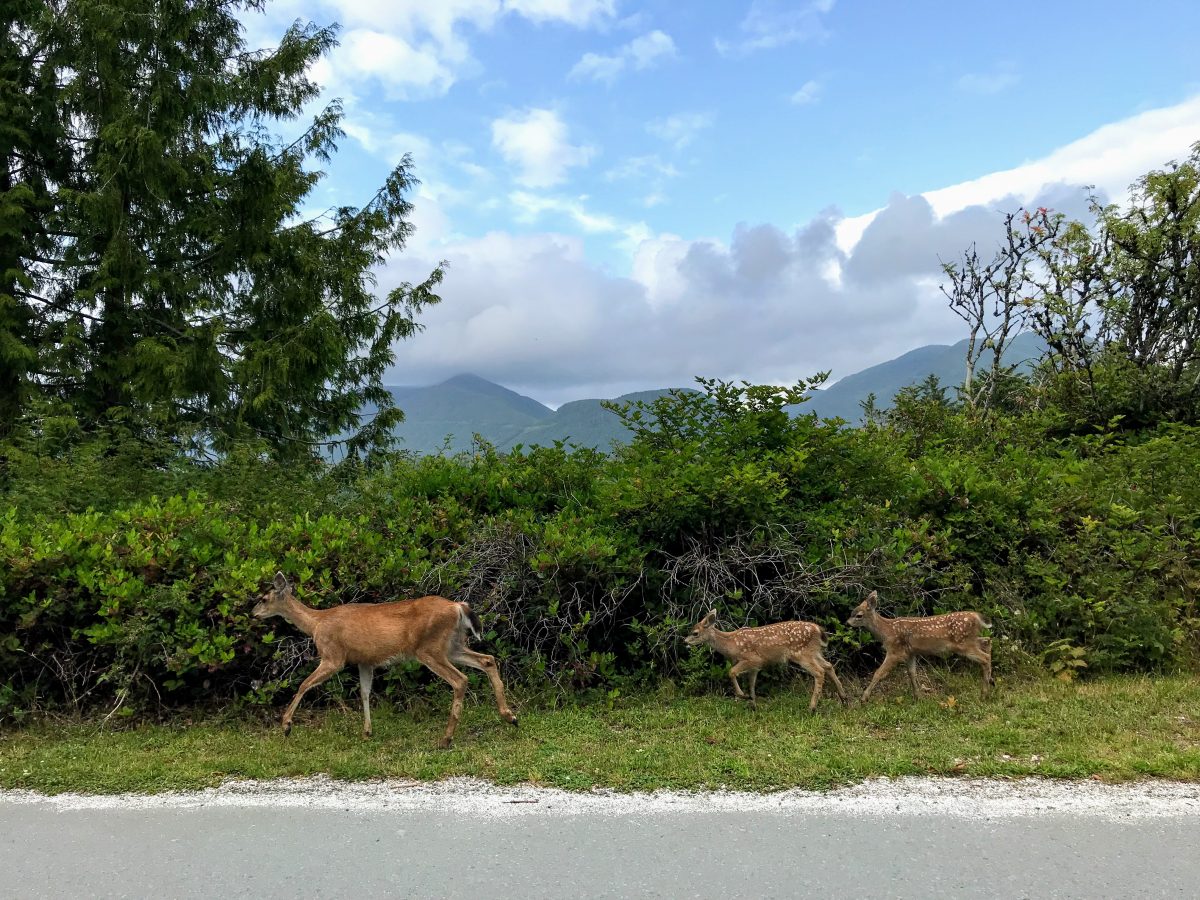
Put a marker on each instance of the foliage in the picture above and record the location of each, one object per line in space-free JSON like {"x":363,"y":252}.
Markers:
{"x":157,"y":273}
{"x":173,"y":339}
{"x":586,"y":568}
{"x":1118,"y":303}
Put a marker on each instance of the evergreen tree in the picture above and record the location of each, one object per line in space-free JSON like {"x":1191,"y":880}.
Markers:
{"x":154,"y":265}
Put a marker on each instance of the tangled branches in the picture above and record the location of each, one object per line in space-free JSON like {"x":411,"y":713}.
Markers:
{"x":548,"y":616}
{"x":766,"y":575}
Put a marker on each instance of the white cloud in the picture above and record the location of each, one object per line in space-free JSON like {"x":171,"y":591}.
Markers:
{"x":776,"y":23}
{"x":641,"y":167}
{"x":536,"y":142}
{"x":417,"y":48}
{"x":765,"y":304}
{"x":532,"y":312}
{"x":680,"y":129}
{"x":997,"y":80}
{"x":579,"y":13}
{"x":640,"y":53}
{"x":596,"y":67}
{"x":650,"y":172}
{"x":403,"y":70}
{"x":531,"y":207}
{"x":648,"y":49}
{"x":1110,"y":158}
{"x":809,"y":92}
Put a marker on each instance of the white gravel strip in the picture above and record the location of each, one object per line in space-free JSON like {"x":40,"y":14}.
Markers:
{"x":965,"y":798}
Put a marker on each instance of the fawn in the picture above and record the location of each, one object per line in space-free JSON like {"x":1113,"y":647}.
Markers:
{"x":750,"y":649}
{"x":433,"y":630}
{"x":905,"y":639}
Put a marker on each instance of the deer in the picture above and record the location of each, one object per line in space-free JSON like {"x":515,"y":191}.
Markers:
{"x":752,"y":649}
{"x":432,"y":630}
{"x":905,"y":639}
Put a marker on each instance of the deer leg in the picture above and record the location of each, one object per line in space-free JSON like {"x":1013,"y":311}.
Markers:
{"x":889,"y":662}
{"x":911,"y":663}
{"x":982,"y":654}
{"x":458,"y":681}
{"x":366,"y":674}
{"x":813,"y":668}
{"x":736,"y":670}
{"x":837,"y":684}
{"x":487,"y":665}
{"x":753,"y":681}
{"x":325,"y":670}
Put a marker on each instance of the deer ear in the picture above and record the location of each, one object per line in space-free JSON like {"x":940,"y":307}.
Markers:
{"x":872,"y":598}
{"x":281,"y":582}
{"x":712,"y":616}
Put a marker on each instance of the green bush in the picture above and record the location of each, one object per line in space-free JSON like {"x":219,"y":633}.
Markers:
{"x":586,"y":568}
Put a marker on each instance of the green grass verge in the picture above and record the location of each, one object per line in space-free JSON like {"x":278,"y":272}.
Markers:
{"x":1112,"y":728}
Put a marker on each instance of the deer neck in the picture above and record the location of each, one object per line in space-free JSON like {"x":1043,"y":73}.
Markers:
{"x":722,"y":642}
{"x":880,"y":626}
{"x":302,"y":616}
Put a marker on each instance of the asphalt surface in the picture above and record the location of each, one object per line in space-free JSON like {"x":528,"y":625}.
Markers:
{"x":522,"y":847}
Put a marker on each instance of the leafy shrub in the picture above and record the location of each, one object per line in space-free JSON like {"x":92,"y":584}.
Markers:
{"x":586,"y":568}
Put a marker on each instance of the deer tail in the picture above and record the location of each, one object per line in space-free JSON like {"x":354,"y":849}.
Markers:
{"x":984,"y":623}
{"x":470,"y":621}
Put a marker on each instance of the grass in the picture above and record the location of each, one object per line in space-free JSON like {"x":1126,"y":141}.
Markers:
{"x":1115,"y":729}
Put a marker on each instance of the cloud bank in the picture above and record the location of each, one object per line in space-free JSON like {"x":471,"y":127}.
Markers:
{"x":768,"y":303}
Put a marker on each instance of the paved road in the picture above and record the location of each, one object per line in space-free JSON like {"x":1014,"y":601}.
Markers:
{"x":692,"y":848}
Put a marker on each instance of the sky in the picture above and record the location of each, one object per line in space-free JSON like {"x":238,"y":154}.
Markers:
{"x":630,"y":194}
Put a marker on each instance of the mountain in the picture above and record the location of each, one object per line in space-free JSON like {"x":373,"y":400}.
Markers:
{"x":467,"y":404}
{"x":946,"y":361}
{"x":584,"y":423}
{"x":459,"y":408}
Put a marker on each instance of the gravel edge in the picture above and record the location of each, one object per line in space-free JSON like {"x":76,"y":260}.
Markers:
{"x":968,"y":798}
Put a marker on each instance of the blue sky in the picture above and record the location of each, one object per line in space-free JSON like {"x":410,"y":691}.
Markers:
{"x":633,"y":193}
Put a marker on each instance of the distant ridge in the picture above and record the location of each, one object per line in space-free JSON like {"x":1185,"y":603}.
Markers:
{"x":457,"y":409}
{"x":450,"y":413}
{"x":584,"y":423}
{"x":947,"y":361}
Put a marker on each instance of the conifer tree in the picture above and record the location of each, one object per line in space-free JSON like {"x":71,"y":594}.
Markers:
{"x":155,"y":265}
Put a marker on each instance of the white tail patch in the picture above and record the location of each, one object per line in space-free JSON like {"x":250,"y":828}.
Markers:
{"x":464,"y":616}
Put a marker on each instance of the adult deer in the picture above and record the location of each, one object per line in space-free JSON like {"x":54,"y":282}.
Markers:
{"x":433,"y":630}
{"x":751,"y":649}
{"x":905,"y":639}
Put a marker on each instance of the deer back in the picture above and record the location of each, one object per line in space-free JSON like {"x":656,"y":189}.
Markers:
{"x":947,"y":633}
{"x":380,"y":633}
{"x":772,"y":643}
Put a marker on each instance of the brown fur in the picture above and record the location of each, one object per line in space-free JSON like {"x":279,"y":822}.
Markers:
{"x":432,"y":629}
{"x":752,"y":649}
{"x":905,"y":639}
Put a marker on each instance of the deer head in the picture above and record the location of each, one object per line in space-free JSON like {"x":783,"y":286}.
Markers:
{"x":274,"y":601}
{"x":702,"y":631}
{"x":865,"y":611}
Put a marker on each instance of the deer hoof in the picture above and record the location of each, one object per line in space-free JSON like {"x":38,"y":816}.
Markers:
{"x":444,"y":743}
{"x":287,"y":728}
{"x":512,"y":720}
